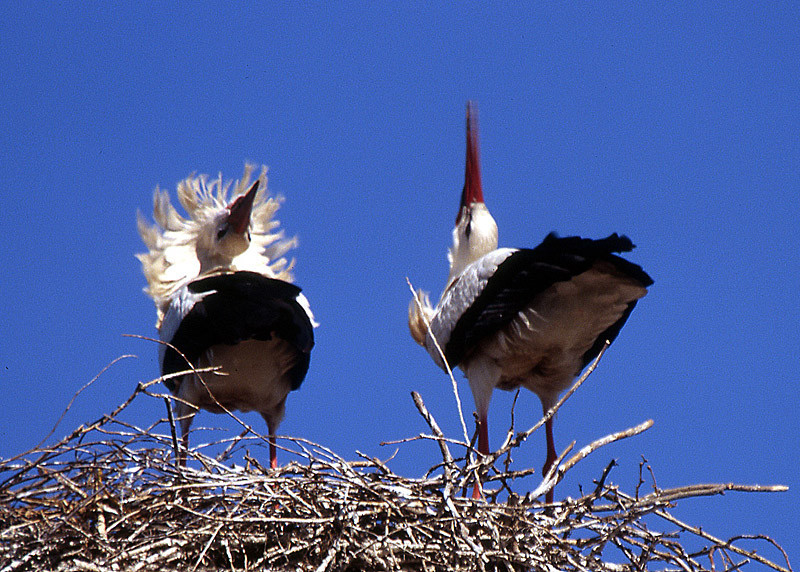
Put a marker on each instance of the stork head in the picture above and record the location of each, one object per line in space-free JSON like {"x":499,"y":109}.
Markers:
{"x":475,"y":233}
{"x":226,"y":233}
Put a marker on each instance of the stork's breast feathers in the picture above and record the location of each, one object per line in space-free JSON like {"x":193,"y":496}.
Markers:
{"x":229,"y":308}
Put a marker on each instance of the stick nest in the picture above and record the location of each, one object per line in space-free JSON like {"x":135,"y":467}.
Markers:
{"x":111,"y":497}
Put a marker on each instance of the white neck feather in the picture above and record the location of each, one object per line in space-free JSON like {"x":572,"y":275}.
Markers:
{"x":475,"y":235}
{"x":182,"y":248}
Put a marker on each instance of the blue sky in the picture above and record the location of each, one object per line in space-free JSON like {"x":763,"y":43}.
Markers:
{"x":674,"y":123}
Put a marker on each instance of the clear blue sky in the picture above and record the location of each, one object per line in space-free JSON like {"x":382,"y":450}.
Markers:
{"x":675,"y":123}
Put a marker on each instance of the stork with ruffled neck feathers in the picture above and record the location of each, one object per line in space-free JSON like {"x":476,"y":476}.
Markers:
{"x":224,"y":298}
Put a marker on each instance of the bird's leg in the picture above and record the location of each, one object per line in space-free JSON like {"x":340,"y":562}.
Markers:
{"x":273,"y":449}
{"x":483,"y":375}
{"x":551,"y":455}
{"x":186,"y":415}
{"x":483,"y":449}
{"x":476,"y":490}
{"x":483,"y":435}
{"x":273,"y":452}
{"x":273,"y":419}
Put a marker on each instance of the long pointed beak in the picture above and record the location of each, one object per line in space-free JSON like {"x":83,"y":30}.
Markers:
{"x":473,"y":190}
{"x":240,"y":209}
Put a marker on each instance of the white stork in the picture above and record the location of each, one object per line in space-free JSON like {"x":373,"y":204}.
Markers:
{"x":224,"y":298}
{"x":523,"y":317}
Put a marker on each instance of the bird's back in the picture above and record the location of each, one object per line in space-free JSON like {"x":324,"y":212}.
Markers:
{"x":570,"y":293}
{"x":230,"y":308}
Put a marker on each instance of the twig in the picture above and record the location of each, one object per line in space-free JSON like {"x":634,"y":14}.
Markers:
{"x":108,"y":497}
{"x":448,"y":369}
{"x":702,"y":490}
{"x":449,"y":466}
{"x":172,"y":430}
{"x":519,"y":438}
{"x":594,"y":445}
{"x":77,"y":393}
{"x":723,"y":543}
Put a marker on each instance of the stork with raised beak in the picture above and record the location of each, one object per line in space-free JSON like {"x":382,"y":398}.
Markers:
{"x":523,"y":317}
{"x":225,"y":299}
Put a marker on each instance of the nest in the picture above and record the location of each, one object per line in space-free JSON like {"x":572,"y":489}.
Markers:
{"x":110,"y":496}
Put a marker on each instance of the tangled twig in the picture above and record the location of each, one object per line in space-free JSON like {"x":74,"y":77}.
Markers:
{"x":110,"y":497}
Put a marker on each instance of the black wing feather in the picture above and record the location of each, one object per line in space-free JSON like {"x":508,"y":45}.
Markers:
{"x":527,"y":273}
{"x":241,"y":306}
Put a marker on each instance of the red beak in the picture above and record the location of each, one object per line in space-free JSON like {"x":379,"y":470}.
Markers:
{"x":473,"y":191}
{"x":239,"y":219}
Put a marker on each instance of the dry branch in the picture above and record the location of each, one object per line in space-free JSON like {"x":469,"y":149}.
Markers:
{"x":110,"y":497}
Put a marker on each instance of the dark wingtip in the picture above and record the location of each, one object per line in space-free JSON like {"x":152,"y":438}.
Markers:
{"x":598,"y":248}
{"x":612,"y":243}
{"x":620,"y":243}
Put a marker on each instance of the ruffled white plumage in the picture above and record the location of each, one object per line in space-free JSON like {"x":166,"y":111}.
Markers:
{"x":221,"y":285}
{"x":177,"y":244}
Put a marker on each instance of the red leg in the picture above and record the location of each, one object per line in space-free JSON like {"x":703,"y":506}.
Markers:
{"x":483,"y":436}
{"x":273,"y":452}
{"x":476,"y":490}
{"x":551,"y":455}
{"x":185,"y":415}
{"x":483,"y":449}
{"x":273,"y":449}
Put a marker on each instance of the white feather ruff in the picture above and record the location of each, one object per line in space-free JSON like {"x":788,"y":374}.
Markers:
{"x":174,"y":241}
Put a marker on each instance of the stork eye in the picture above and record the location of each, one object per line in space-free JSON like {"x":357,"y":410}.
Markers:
{"x":222,"y":232}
